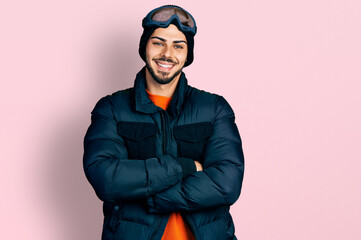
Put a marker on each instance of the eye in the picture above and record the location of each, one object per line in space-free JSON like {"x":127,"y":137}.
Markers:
{"x":178,"y":47}
{"x":157,"y":43}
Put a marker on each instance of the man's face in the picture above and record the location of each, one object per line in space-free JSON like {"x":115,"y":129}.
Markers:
{"x":166,"y":54}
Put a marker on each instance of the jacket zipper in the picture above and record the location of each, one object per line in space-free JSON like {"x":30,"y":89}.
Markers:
{"x":165,"y":143}
{"x":165,"y":138}
{"x":189,"y":225}
{"x":156,"y":228}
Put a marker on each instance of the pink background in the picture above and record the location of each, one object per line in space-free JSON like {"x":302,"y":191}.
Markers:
{"x":290,"y":69}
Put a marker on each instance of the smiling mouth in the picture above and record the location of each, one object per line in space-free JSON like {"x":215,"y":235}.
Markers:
{"x":165,"y":66}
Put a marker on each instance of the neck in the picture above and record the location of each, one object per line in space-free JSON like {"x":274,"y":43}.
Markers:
{"x":166,"y":90}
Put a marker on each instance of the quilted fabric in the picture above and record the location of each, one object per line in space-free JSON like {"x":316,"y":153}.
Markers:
{"x":135,"y":154}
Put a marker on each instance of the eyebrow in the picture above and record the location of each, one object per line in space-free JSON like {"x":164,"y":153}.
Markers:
{"x":164,"y":40}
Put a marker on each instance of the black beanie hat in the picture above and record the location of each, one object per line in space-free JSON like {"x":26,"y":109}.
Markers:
{"x":148,"y":31}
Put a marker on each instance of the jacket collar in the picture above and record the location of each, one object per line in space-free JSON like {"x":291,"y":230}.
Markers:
{"x":145,"y":105}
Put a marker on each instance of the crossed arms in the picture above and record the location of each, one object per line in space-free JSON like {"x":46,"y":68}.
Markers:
{"x":160,"y":180}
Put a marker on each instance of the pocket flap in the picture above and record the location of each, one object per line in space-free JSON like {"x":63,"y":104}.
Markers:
{"x":136,"y":131}
{"x":193,"y":132}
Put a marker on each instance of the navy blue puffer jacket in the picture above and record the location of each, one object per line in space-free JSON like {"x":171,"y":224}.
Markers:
{"x":134,"y":155}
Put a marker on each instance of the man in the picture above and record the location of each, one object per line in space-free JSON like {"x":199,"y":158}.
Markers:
{"x":166,"y":158}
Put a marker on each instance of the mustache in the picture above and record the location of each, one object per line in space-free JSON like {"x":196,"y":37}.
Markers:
{"x":164,"y":59}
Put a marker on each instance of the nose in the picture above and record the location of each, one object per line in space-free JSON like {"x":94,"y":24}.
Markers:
{"x":167,"y":51}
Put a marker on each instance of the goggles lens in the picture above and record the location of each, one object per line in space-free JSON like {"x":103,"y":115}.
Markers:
{"x":165,"y":14}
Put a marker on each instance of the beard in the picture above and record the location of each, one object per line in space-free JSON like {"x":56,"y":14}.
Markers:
{"x":165,"y":77}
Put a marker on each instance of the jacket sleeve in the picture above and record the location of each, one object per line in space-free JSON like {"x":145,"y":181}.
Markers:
{"x":221,"y":179}
{"x":108,"y":169}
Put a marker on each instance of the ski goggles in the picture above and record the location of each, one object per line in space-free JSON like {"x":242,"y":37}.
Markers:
{"x":165,"y":15}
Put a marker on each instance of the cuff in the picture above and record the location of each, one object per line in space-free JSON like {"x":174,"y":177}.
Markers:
{"x":188,"y":166}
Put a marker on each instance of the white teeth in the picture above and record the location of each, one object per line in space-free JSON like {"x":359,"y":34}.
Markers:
{"x":165,"y":66}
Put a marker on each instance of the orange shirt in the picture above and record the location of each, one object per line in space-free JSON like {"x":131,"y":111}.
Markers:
{"x":176,"y":228}
{"x":160,"y":101}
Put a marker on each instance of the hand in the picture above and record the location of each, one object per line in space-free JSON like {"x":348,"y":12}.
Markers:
{"x":198,"y":166}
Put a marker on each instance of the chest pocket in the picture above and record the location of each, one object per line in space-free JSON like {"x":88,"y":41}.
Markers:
{"x":139,"y":139}
{"x":191,"y":139}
